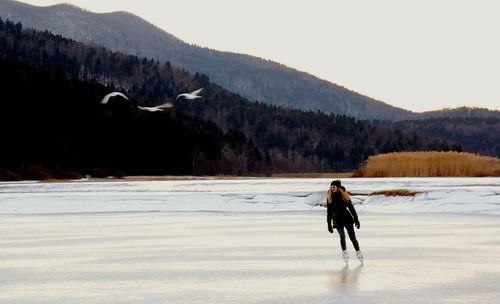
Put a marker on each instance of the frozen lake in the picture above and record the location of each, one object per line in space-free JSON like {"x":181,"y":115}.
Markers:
{"x":449,"y":195}
{"x":252,"y":241}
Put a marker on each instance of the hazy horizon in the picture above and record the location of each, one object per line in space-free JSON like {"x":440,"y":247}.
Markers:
{"x":419,"y":56}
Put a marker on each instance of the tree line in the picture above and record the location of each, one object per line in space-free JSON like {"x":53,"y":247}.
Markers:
{"x":55,"y":127}
{"x":474,"y":134}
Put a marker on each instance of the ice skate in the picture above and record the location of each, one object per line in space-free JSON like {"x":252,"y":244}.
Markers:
{"x":345,"y":256}
{"x":360,"y":257}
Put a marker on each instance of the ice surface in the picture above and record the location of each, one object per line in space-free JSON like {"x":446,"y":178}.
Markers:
{"x":252,"y":258}
{"x":247,"y":241}
{"x":460,"y":195}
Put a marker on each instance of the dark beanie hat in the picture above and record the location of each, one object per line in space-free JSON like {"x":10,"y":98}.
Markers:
{"x":336,"y":183}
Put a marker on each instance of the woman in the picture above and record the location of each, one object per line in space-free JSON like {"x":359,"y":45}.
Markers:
{"x":341,"y":211}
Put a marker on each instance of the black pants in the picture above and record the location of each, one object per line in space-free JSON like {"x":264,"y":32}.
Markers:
{"x":351,"y":233}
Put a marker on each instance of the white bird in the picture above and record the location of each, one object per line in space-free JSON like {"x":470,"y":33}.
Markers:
{"x":192,"y":95}
{"x":112,"y":94}
{"x":162,"y":107}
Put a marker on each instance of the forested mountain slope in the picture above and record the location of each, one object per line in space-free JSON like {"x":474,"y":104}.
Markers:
{"x":257,"y":138}
{"x":251,"y":77}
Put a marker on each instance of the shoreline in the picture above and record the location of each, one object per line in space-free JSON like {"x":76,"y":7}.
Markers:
{"x":139,"y":178}
{"x":145,"y":178}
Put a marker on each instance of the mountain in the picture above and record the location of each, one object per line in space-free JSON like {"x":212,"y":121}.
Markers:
{"x":223,"y":133}
{"x":251,"y":77}
{"x":463,"y":112}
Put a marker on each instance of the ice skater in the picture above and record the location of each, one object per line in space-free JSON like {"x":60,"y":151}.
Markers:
{"x":341,"y":214}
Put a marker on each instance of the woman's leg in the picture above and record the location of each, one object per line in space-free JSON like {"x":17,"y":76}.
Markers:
{"x":340,"y":230}
{"x":352,"y":236}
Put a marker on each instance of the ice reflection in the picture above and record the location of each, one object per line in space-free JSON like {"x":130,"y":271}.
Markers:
{"x":346,"y":277}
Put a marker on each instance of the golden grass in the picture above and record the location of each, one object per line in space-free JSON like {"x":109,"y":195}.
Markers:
{"x":423,"y":164}
{"x":312,"y":175}
{"x":399,"y":192}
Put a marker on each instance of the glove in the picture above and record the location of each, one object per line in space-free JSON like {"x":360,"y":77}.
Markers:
{"x":356,"y":223}
{"x":330,"y":227}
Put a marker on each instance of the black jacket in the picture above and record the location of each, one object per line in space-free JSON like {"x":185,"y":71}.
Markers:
{"x":340,"y":212}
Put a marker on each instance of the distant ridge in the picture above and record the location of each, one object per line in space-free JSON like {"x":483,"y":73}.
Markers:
{"x":466,"y":112}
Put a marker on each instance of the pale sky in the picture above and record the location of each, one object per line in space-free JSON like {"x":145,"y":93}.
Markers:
{"x":419,"y":55}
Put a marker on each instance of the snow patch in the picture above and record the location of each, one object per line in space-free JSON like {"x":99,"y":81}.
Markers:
{"x":449,"y":195}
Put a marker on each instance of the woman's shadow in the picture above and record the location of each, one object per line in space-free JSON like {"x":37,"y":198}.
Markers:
{"x":346,"y":277}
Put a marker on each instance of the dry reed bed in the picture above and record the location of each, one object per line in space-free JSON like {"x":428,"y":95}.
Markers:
{"x":423,"y":164}
{"x":399,"y":192}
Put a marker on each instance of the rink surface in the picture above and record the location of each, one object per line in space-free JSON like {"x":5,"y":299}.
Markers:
{"x":247,"y":241}
{"x":265,"y":258}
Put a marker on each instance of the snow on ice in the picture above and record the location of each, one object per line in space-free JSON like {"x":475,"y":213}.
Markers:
{"x":450,"y":195}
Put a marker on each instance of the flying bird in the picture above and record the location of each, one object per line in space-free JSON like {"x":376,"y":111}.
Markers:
{"x":162,"y":107}
{"x":192,"y":95}
{"x":112,"y":94}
